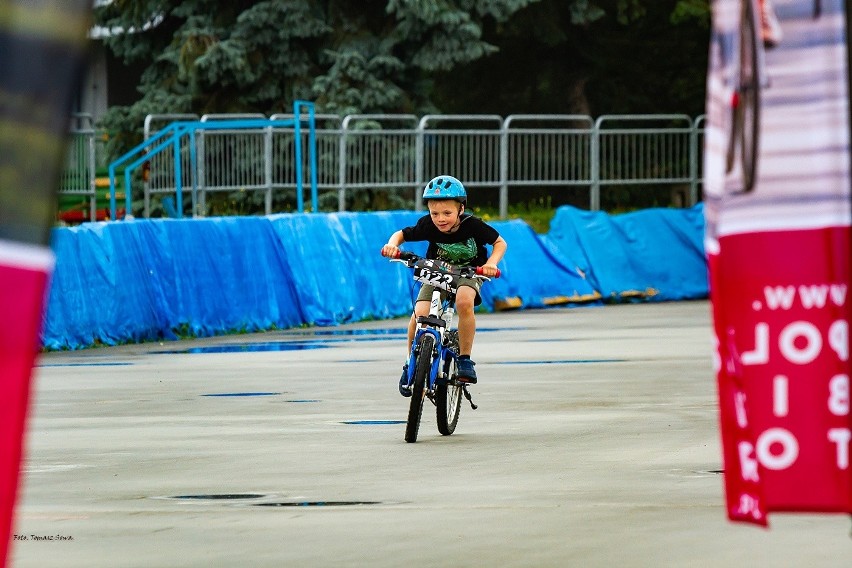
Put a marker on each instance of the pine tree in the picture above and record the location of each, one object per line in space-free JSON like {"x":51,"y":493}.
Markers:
{"x":404,"y":56}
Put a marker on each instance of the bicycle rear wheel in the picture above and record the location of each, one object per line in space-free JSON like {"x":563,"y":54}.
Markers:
{"x":448,"y":397}
{"x":748,"y":114}
{"x":422,"y":368}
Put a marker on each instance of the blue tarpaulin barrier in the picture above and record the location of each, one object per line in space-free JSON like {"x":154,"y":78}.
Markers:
{"x":135,"y":281}
{"x":533,"y":276}
{"x":653,"y":253}
{"x":144,"y":280}
{"x":336,"y":267}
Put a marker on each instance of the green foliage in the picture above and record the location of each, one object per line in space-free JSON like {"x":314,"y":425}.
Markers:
{"x":406,"y":56}
{"x":537,"y":213}
{"x":692,"y":12}
{"x":587,"y":57}
{"x":207,"y":56}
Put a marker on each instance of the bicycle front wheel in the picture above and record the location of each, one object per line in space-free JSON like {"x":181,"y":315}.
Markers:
{"x":422,"y":368}
{"x":448,"y":398}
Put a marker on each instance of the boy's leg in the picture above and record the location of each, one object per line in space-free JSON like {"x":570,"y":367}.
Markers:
{"x":421,"y":308}
{"x":465,"y":298}
{"x":465,"y":301}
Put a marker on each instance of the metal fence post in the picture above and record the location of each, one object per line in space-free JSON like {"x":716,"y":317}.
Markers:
{"x":504,"y":169}
{"x":594,"y":160}
{"x":178,"y":178}
{"x":267,"y":170}
{"x":341,"y":168}
{"x":93,"y":209}
{"x":696,"y":156}
{"x":419,"y":160}
{"x":202,"y":175}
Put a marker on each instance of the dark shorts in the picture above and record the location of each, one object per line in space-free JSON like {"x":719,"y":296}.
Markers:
{"x":425,"y":294}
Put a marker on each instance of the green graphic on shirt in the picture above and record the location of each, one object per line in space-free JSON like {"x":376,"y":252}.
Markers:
{"x":457,"y":253}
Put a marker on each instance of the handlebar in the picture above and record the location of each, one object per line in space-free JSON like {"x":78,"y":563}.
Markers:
{"x":410,"y":258}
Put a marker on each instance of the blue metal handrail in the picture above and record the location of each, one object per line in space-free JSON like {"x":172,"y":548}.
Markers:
{"x":174,"y":132}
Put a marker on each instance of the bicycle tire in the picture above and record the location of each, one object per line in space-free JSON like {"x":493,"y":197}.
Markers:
{"x":448,"y":398}
{"x":744,"y":135}
{"x":422,"y":368}
{"x":749,"y":114}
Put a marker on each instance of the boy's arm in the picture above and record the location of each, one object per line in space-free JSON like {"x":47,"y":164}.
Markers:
{"x":392,"y":248}
{"x":497,"y":252}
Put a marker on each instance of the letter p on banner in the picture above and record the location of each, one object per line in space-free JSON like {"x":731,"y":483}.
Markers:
{"x":777,"y":207}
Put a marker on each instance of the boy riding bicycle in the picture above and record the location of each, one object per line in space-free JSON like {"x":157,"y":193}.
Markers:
{"x":458,"y":238}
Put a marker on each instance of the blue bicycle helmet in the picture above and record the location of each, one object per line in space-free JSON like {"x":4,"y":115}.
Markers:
{"x":445,"y":187}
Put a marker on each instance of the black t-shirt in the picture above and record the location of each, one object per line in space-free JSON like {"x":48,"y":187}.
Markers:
{"x":464,"y":247}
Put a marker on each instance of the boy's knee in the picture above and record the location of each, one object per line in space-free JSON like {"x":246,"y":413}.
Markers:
{"x":466,"y":303}
{"x":420,"y":309}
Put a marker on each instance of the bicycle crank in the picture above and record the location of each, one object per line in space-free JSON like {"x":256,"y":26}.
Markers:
{"x":468,"y":397}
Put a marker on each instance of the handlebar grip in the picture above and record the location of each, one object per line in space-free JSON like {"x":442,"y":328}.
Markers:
{"x":479,"y":272}
{"x":397,"y":255}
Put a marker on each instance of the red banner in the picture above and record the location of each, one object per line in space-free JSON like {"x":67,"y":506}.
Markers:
{"x":24,"y":271}
{"x":783,"y":328}
{"x":777,"y":205}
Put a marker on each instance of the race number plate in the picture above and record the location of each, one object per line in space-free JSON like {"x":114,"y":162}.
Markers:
{"x":437,"y":274}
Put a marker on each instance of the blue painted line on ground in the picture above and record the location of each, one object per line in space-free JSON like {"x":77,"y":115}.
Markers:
{"x":243,"y":394}
{"x":322,"y":343}
{"x":560,"y":362}
{"x":247,"y":348}
{"x":390,"y":331}
{"x":368,"y":332}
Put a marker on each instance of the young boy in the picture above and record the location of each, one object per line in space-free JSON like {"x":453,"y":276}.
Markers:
{"x":458,"y":238}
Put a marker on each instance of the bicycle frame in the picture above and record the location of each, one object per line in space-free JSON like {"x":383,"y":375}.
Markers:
{"x":429,"y":325}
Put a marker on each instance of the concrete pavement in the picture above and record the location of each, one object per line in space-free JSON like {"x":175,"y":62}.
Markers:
{"x":595,"y":444}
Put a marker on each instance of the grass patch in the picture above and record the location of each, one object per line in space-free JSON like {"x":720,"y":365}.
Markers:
{"x":537,"y":213}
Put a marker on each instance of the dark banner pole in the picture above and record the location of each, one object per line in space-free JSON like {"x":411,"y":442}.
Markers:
{"x":42,"y":56}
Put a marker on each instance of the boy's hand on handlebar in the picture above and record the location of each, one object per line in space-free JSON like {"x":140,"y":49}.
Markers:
{"x":489,"y":270}
{"x":390,"y":251}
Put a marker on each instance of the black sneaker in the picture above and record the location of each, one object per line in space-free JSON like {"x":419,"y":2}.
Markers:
{"x":467,"y":374}
{"x":404,"y":387}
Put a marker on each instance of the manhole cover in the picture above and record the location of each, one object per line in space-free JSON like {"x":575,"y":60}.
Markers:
{"x":219,"y":496}
{"x":373,"y":422}
{"x":316,"y":503}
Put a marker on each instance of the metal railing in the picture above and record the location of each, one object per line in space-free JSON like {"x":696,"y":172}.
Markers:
{"x":79,"y":173}
{"x":237,"y":155}
{"x":401,"y":152}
